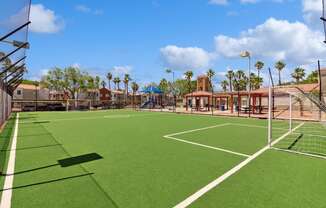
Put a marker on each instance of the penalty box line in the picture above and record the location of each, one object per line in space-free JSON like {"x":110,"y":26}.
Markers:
{"x":191,"y":199}
{"x":172,"y":137}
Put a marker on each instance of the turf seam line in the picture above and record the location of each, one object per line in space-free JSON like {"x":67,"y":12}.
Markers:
{"x":300,"y":153}
{"x":9,"y":178}
{"x":192,"y":198}
{"x":207,"y":146}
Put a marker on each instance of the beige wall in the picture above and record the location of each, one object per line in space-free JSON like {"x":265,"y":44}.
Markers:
{"x":323,"y":83}
{"x":29,"y":94}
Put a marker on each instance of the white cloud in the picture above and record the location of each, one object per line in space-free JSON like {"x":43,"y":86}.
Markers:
{"x":275,"y":39}
{"x":219,"y":2}
{"x":312,"y":11}
{"x":44,"y":20}
{"x":76,"y":65}
{"x":121,"y":70}
{"x":249,"y":1}
{"x":185,"y":58}
{"x":85,"y":9}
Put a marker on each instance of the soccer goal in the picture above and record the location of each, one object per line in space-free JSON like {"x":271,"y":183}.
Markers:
{"x":297,"y":121}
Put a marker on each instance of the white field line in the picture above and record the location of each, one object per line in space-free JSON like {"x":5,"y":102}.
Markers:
{"x":207,"y":146}
{"x":194,"y":130}
{"x":78,"y":118}
{"x":219,"y":180}
{"x":91,"y":118}
{"x":300,"y":153}
{"x":9,"y":179}
{"x":171,"y":136}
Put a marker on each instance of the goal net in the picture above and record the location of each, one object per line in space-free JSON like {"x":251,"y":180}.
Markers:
{"x":297,"y":122}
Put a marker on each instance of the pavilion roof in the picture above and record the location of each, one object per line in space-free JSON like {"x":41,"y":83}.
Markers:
{"x":199,"y":94}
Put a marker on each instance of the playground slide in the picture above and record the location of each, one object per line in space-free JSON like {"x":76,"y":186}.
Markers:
{"x":146,"y":104}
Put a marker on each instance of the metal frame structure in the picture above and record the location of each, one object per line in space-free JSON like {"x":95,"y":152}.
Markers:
{"x":11,"y":74}
{"x":323,"y":17}
{"x":18,"y":71}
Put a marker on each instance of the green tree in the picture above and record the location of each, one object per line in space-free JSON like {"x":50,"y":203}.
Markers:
{"x":91,"y":86}
{"x":280,"y":65}
{"x":224,"y":85}
{"x":103,"y":84}
{"x":298,"y":74}
{"x":164,"y":86}
{"x":97,"y":82}
{"x":126,"y":81}
{"x":135,"y":88}
{"x":210,"y":74}
{"x":240,"y":80}
{"x":256,"y":81}
{"x":53,"y":80}
{"x":74,"y":81}
{"x":189,"y":74}
{"x":312,"y":77}
{"x":181,"y":87}
{"x":116,"y":82}
{"x":109,"y":77}
{"x":230,"y":77}
{"x":259,"y":66}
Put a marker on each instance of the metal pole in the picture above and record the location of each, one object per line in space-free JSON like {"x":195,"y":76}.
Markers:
{"x":174,"y":96}
{"x":320,"y":90}
{"x":36,"y":97}
{"x":290,"y":108}
{"x":269,"y":114}
{"x":249,"y":94}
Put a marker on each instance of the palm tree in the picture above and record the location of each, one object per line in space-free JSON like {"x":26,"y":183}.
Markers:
{"x":230,"y":76}
{"x":279,"y":66}
{"x":134,"y":87}
{"x":126,"y":80}
{"x":168,"y":71}
{"x":259,"y":66}
{"x":189,"y":75}
{"x":240,"y":80}
{"x":109,"y":77}
{"x":164,"y":85}
{"x":224,"y":85}
{"x":298,"y":74}
{"x":97,"y":82}
{"x":255,"y":81}
{"x":116,"y":82}
{"x":210,"y":74}
{"x":103,"y":83}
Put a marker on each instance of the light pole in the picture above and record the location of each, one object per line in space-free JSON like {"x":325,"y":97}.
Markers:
{"x":169,"y":71}
{"x":246,"y":54}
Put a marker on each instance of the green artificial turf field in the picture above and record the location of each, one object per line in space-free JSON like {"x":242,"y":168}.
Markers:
{"x":153,"y":159}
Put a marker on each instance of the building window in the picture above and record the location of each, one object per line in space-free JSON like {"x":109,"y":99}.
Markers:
{"x":19,"y":92}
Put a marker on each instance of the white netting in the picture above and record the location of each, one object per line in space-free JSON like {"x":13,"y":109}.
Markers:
{"x":304,"y":130}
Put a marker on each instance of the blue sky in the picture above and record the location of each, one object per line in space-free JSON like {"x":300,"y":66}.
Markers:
{"x":144,"y":37}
